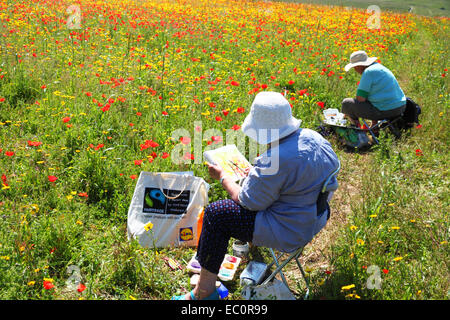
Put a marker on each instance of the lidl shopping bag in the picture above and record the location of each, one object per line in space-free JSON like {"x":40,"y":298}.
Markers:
{"x":165,"y":207}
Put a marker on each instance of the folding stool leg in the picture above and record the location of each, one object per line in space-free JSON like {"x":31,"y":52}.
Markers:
{"x":279,"y":268}
{"x":304,"y":278}
{"x":371,"y":132}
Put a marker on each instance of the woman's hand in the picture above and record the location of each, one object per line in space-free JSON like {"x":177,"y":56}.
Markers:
{"x":216,"y":172}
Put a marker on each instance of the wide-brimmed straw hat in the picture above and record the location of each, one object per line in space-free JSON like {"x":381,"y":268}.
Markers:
{"x":270,"y":118}
{"x":359,"y":58}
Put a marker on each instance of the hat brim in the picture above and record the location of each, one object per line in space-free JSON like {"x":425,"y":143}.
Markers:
{"x":266,"y":135}
{"x":368,"y":62}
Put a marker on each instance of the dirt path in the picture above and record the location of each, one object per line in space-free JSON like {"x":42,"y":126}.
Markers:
{"x":348,"y":194}
{"x":316,"y":254}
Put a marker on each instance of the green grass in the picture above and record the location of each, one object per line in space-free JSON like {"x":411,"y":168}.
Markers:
{"x":397,"y":219}
{"x":425,"y":8}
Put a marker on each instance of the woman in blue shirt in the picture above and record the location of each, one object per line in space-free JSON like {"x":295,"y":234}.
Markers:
{"x":276,"y":205}
{"x":378,"y":96}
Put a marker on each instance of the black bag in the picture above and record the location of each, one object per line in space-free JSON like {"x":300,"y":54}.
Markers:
{"x":411,"y":114}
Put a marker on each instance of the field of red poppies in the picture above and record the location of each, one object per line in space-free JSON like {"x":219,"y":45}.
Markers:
{"x":92,"y":91}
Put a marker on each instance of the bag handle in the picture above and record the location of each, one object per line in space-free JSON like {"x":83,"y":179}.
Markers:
{"x":161,"y":188}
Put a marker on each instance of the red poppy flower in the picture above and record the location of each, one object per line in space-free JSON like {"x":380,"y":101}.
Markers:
{"x":321,"y":104}
{"x":133,"y":176}
{"x":419,"y":152}
{"x":185,"y":140}
{"x":234,"y":83}
{"x":34,"y":143}
{"x":236,"y":127}
{"x":264,"y":86}
{"x":164,"y":155}
{"x":2,"y":99}
{"x":5,"y":182}
{"x":225,"y":112}
{"x":9,"y":153}
{"x":240,"y":110}
{"x":216,"y":139}
{"x":81,"y":287}
{"x":164,"y":113}
{"x":48,"y":285}
{"x":52,"y":178}
{"x":218,"y":118}
{"x":66,"y":119}
{"x":137,"y":162}
{"x":149,"y":144}
{"x":291,"y":82}
{"x":385,"y":271}
{"x":83,"y":194}
{"x":188,"y":156}
{"x":89,"y":94}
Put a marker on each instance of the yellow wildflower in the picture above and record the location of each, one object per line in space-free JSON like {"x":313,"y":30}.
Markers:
{"x":351,"y":286}
{"x":148,"y":226}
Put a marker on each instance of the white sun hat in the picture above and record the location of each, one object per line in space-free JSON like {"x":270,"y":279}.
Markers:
{"x":359,"y":58}
{"x":270,"y":118}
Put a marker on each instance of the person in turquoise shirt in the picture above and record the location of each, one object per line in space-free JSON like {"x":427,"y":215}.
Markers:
{"x":378,"y":95}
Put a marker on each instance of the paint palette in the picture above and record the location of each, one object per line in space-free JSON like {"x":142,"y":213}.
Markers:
{"x":227,"y":269}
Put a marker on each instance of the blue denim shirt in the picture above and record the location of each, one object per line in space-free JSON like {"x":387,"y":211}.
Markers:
{"x":286,"y":201}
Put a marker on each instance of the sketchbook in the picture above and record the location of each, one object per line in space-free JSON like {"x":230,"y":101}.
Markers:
{"x":230,"y":159}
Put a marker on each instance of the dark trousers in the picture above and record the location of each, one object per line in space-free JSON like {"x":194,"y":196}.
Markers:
{"x":355,"y":109}
{"x":223,"y":219}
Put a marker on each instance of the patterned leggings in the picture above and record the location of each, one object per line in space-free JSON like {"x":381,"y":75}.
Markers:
{"x":222,"y":220}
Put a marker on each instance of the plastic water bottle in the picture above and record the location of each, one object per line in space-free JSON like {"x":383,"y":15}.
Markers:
{"x":253,"y":274}
{"x":223,"y":291}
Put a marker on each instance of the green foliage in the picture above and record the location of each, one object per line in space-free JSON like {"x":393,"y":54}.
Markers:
{"x":399,"y":223}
